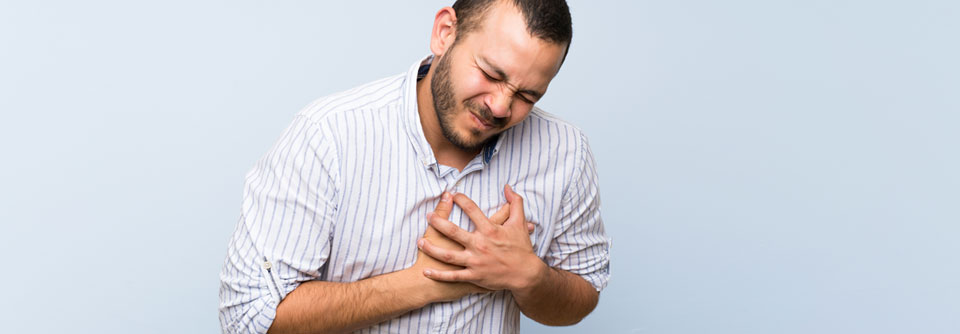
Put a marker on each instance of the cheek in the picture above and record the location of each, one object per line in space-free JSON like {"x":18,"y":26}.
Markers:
{"x":467,"y":85}
{"x":476,"y":87}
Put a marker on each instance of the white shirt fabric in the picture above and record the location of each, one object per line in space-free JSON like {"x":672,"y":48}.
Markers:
{"x":343,"y":195}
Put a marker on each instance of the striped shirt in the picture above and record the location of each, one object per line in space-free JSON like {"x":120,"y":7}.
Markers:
{"x":343,"y":195}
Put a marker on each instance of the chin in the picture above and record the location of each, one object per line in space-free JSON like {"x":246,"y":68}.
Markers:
{"x":466,"y":134}
{"x":470,"y":140}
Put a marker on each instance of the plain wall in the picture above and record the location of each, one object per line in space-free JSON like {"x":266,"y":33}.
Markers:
{"x":766,"y":166}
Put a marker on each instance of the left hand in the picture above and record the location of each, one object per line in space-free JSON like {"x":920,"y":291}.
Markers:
{"x":494,"y":257}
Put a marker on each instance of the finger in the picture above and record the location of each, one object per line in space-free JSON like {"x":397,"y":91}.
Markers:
{"x":440,"y":240}
{"x":448,"y":229}
{"x":458,"y":258}
{"x":432,"y":233}
{"x":444,"y":206}
{"x":462,"y":275}
{"x":473,"y":211}
{"x":531,"y":227}
{"x":516,"y":206}
{"x":501,"y":215}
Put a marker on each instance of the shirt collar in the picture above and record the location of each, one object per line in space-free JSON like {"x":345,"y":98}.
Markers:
{"x":410,"y":114}
{"x":411,"y":118}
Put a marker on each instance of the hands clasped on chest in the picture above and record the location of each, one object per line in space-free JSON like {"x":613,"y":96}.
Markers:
{"x":498,"y":255}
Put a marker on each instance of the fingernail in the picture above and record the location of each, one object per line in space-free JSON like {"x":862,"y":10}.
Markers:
{"x":446,"y":197}
{"x":420,"y":243}
{"x":429,"y":215}
{"x":427,"y":272}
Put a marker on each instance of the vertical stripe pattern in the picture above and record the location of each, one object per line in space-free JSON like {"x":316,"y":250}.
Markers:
{"x":344,"y":192}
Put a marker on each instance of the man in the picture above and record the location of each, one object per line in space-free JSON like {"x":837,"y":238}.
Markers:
{"x":332,"y":216}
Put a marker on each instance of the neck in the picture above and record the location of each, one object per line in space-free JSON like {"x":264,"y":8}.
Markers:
{"x":446,"y":153}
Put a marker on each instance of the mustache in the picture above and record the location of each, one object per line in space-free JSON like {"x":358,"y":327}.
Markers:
{"x":486,"y":115}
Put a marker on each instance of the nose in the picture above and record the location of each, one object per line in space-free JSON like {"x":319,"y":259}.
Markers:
{"x":499,"y":104}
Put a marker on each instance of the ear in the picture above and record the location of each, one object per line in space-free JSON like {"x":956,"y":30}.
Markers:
{"x":444,"y":31}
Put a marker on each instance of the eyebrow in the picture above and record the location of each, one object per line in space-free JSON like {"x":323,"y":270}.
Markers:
{"x":503,"y":76}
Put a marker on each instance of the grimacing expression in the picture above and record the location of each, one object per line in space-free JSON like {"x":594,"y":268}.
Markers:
{"x":488,"y":80}
{"x":444,"y":104}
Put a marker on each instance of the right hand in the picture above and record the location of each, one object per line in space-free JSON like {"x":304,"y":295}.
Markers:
{"x":451,"y":291}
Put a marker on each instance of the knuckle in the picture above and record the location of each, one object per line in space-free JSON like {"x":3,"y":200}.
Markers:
{"x":453,"y":233}
{"x":452,"y":230}
{"x":427,"y":248}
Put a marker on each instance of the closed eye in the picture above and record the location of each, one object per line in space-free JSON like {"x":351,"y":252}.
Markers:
{"x":521,"y":95}
{"x":488,"y":76}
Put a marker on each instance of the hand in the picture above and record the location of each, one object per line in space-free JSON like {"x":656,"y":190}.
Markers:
{"x":443,"y":210}
{"x":494,"y":256}
{"x":449,"y":291}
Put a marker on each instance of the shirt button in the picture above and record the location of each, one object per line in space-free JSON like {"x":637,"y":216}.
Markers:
{"x":267,"y":265}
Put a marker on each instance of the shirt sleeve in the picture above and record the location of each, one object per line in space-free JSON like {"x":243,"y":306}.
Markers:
{"x":282,"y":237}
{"x":581,"y":245}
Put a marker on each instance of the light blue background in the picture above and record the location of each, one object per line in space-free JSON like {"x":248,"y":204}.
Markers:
{"x":766,"y":166}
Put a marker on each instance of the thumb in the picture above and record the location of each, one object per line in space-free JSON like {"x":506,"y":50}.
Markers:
{"x":444,"y":206}
{"x":501,"y":215}
{"x":516,"y":206}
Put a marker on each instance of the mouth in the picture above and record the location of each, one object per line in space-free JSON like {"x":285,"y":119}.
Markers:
{"x":480,"y":123}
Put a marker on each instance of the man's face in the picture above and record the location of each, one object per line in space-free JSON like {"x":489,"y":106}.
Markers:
{"x":489,"y":79}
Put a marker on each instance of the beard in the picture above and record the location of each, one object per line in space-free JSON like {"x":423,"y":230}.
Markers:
{"x":444,"y":104}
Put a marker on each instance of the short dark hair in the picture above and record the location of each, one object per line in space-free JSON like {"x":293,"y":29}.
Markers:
{"x":546,"y":19}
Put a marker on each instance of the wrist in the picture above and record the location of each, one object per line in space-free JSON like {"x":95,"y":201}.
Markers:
{"x":413,"y":280}
{"x":535,"y":273}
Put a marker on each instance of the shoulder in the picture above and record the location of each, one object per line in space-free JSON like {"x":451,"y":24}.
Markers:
{"x":374,"y":95}
{"x":541,"y":125}
{"x":544,"y":143}
{"x":543,"y":116}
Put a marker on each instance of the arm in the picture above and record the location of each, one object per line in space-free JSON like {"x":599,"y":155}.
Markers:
{"x":578,"y":258}
{"x":331,"y":307}
{"x":554,"y":287}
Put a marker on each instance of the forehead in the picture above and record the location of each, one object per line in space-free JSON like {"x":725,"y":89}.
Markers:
{"x":502,"y":39}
